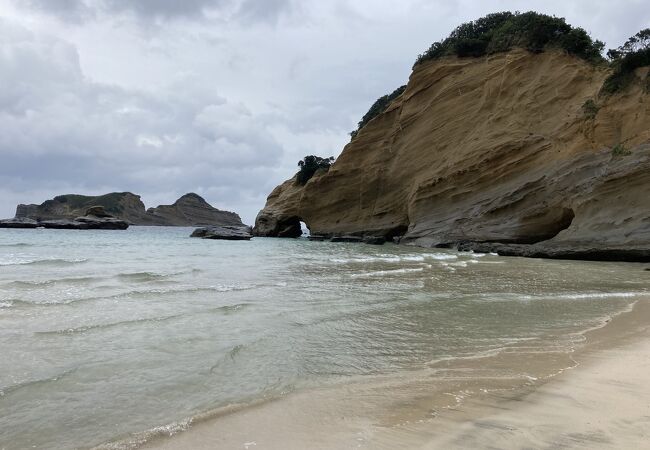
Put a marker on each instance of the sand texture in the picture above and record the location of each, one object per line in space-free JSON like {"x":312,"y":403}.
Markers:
{"x":599,"y":398}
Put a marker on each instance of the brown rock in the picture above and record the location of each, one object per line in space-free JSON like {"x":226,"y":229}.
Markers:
{"x":229,"y":233}
{"x":491,"y":150}
{"x":97,"y":211}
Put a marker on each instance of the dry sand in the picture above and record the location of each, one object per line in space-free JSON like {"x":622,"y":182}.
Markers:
{"x":602,"y":402}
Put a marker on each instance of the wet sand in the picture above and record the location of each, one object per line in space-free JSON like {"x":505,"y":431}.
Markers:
{"x":602,"y":400}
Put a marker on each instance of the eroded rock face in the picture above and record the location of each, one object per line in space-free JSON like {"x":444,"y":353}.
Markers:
{"x":189,"y":210}
{"x":493,"y":150}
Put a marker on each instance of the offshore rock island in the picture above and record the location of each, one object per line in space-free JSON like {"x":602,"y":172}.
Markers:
{"x":189,"y":210}
{"x":531,"y":153}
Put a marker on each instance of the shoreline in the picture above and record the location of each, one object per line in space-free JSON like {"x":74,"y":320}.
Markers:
{"x":602,"y":402}
{"x":413,"y":413}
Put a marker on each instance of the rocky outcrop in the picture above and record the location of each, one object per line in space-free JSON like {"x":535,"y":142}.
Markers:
{"x":491,"y":153}
{"x":124,"y":205}
{"x":228,"y":233}
{"x":189,"y":210}
{"x":96,"y":218}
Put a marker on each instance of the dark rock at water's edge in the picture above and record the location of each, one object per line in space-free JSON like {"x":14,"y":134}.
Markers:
{"x":583,"y":252}
{"x":318,"y":237}
{"x":18,"y":222}
{"x":371,"y":240}
{"x":374,"y":240}
{"x":352,"y":239}
{"x":229,"y":233}
{"x":189,"y":210}
{"x":95,"y":218}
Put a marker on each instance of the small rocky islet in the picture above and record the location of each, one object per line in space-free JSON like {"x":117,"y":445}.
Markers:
{"x":117,"y":211}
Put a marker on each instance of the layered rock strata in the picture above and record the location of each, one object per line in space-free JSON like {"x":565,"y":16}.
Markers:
{"x":495,"y":153}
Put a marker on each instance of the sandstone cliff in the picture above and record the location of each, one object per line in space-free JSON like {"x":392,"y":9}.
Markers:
{"x":189,"y":210}
{"x":495,"y":152}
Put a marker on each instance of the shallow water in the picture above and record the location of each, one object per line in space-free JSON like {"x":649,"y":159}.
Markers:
{"x":104,"y":334}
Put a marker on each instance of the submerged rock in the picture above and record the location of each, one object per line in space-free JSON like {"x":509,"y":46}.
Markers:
{"x":229,"y":233}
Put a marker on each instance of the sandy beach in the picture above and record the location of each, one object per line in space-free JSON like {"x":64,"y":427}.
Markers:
{"x":604,"y":402}
{"x":601,"y":401}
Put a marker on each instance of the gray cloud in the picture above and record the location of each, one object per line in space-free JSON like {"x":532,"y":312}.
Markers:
{"x":56,"y":125}
{"x":264,"y":11}
{"x":69,"y":10}
{"x":85,"y":9}
{"x":243,"y":10}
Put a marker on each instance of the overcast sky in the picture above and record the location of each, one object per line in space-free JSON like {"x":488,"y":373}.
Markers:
{"x":217,"y":97}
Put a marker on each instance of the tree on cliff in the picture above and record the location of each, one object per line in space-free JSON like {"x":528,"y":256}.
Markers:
{"x":626,"y":59}
{"x":500,"y":32}
{"x":311,"y":164}
{"x":378,"y":107}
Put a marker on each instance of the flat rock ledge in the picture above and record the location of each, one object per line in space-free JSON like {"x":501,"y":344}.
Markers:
{"x":228,"y":233}
{"x":579,"y":251}
{"x":95,"y":219}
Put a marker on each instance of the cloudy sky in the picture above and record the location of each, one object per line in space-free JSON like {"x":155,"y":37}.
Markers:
{"x":218,"y":97}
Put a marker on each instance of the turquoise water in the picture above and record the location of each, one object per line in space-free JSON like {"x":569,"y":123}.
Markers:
{"x":108,"y":333}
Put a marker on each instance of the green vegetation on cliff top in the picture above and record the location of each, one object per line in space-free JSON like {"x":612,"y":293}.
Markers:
{"x":503,"y":31}
{"x":535,"y":32}
{"x":110,"y":202}
{"x":626,"y":59}
{"x":311,"y":164}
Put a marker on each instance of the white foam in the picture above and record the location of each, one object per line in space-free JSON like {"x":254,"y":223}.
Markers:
{"x":441,"y":256}
{"x":381,"y":273}
{"x":603,"y":295}
{"x":395,"y":258}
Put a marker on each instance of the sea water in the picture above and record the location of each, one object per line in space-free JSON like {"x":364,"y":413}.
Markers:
{"x":106,"y":336}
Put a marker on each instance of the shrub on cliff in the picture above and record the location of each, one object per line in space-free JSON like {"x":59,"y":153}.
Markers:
{"x":378,"y":107}
{"x":311,"y":164}
{"x":500,"y":32}
{"x":626,"y":59}
{"x":590,"y":109}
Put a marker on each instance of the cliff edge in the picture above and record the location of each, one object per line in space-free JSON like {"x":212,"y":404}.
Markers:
{"x":513,"y":152}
